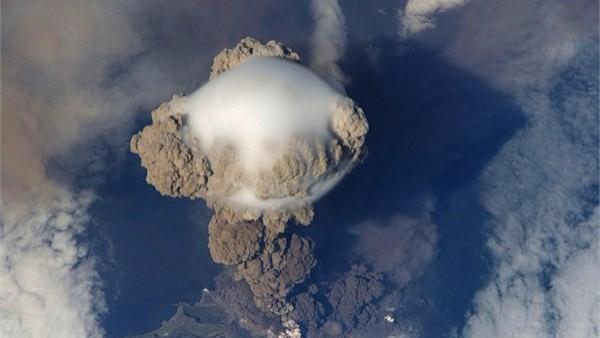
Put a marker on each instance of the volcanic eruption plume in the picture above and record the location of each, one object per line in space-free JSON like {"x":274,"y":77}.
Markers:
{"x":259,"y":142}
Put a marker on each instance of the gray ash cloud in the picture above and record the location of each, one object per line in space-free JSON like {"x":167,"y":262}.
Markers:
{"x":265,"y":287}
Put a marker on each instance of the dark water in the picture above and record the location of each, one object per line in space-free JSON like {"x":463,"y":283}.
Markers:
{"x":433,"y":129}
{"x":157,"y":251}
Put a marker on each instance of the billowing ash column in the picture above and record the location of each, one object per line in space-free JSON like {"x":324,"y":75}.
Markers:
{"x":259,"y":142}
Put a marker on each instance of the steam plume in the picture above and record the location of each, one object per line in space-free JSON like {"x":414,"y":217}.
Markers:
{"x":328,"y":40}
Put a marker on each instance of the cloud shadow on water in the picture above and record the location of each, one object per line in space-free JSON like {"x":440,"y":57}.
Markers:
{"x":433,"y":129}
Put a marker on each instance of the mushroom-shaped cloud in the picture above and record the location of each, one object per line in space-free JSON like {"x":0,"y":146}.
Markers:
{"x":260,"y":142}
{"x":266,"y":137}
{"x":287,"y":135}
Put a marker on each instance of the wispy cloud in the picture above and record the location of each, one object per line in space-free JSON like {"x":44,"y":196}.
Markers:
{"x":519,"y":52}
{"x":419,"y":15}
{"x":401,"y":248}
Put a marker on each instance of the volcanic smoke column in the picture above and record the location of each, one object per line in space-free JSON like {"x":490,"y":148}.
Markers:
{"x":259,"y":142}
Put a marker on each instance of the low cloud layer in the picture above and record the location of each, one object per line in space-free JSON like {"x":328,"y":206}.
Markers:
{"x":57,"y":97}
{"x":48,"y":283}
{"x":545,"y":228}
{"x":541,"y":189}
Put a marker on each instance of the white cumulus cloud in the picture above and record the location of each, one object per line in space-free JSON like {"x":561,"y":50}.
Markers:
{"x":540,"y":191}
{"x":48,"y":283}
